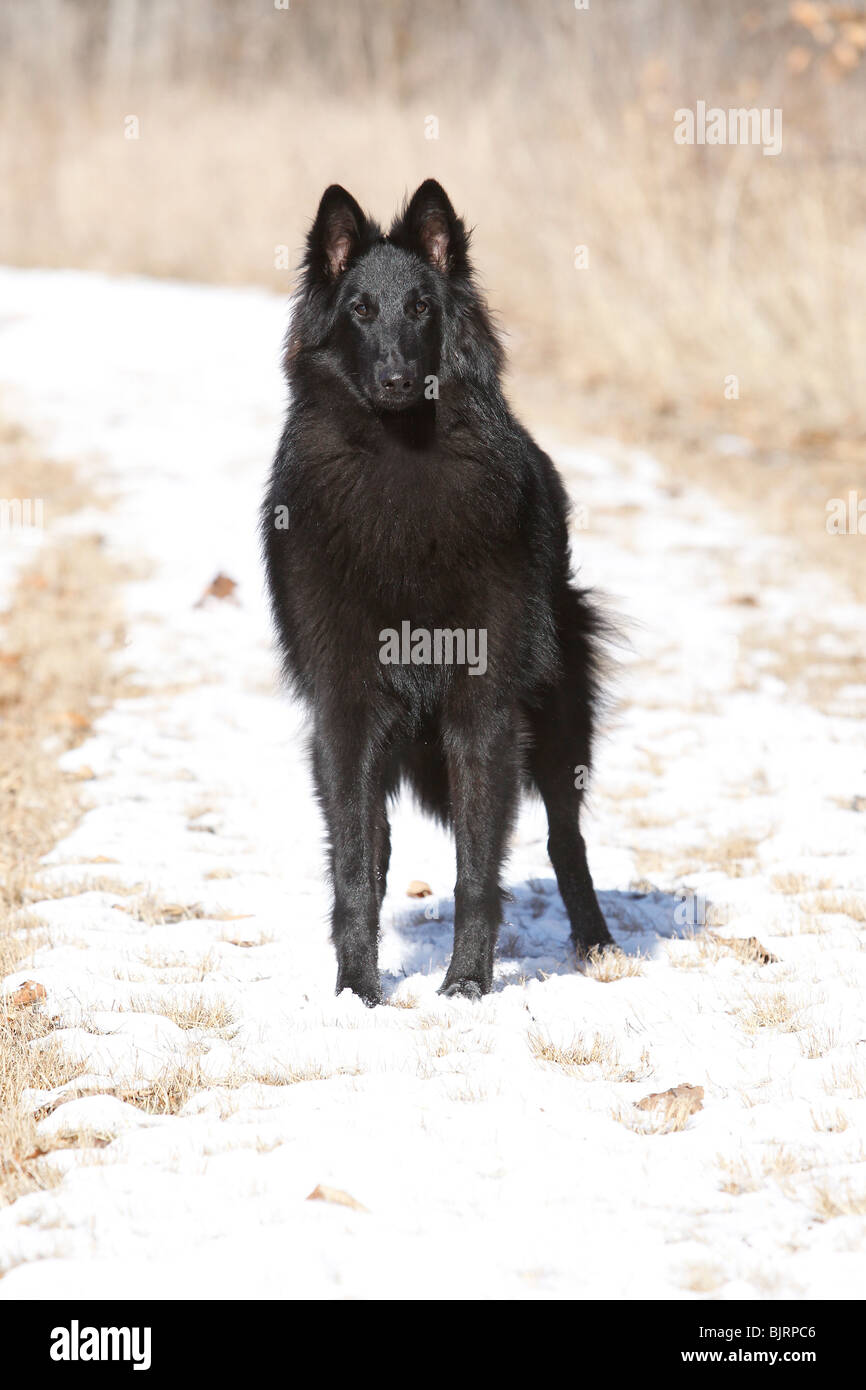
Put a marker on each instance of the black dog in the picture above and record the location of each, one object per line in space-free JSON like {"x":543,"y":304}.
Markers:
{"x":417,"y":556}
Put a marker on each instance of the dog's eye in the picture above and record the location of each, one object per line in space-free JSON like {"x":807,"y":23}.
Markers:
{"x":421,"y":306}
{"x":362,"y":311}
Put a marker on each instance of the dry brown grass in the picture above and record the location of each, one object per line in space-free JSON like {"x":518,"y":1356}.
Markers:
{"x":178,"y":968}
{"x":611,"y":964}
{"x":55,"y":675}
{"x":772,"y":1010}
{"x":207,"y":1015}
{"x":817,"y":1042}
{"x":794,"y":884}
{"x":738,"y":1176}
{"x":835,"y":1122}
{"x":851,"y":905}
{"x":851,"y":1078}
{"x":581,"y":1052}
{"x":175,"y":1086}
{"x":733,"y":854}
{"x":779,"y":1165}
{"x":247,"y":112}
{"x":701,"y":1276}
{"x":829,"y":1202}
{"x":155,"y":911}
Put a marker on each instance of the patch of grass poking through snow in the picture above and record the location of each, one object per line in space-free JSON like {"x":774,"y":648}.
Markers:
{"x":818,"y":1042}
{"x":208,"y":1015}
{"x":851,"y":905}
{"x":772,"y":1010}
{"x":829,"y":1202}
{"x":182,"y":969}
{"x":780,"y":1165}
{"x":702,"y":1277}
{"x":852,"y":1079}
{"x":404,"y":1001}
{"x":738,"y":1177}
{"x":734,"y":855}
{"x":794,"y":884}
{"x":93,"y":883}
{"x":835,"y":1123}
{"x":611,"y":964}
{"x":580,"y":1053}
{"x":154,"y":911}
{"x":176,"y":1086}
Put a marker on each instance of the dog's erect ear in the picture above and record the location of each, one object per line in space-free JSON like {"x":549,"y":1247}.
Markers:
{"x":431,"y":227}
{"x":336,"y":234}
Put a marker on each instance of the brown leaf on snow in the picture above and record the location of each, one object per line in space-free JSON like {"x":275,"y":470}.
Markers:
{"x":749,"y":947}
{"x":419,"y":889}
{"x":323,"y":1193}
{"x":220,"y":587}
{"x":28,"y":993}
{"x":72,"y":719}
{"x":689,"y":1097}
{"x":82,"y":774}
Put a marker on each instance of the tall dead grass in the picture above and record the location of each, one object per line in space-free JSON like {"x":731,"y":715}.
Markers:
{"x":554,"y":129}
{"x":56,"y":640}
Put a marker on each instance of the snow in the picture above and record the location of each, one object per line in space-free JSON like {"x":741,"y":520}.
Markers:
{"x":484,"y":1171}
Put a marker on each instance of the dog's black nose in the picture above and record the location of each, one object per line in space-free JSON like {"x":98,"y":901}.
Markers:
{"x":398,"y":383}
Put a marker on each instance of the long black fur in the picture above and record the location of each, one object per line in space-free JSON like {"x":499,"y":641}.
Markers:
{"x":404,"y":489}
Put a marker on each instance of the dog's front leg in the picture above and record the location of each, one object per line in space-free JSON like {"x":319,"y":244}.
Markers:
{"x":483,"y":768}
{"x":348,"y":767}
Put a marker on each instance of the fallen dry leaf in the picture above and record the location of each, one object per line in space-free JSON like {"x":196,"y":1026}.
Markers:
{"x":73,"y":719}
{"x":323,"y":1193}
{"x":749,"y":945}
{"x":419,"y":889}
{"x":684,"y":1094}
{"x":220,"y":587}
{"x":28,"y":993}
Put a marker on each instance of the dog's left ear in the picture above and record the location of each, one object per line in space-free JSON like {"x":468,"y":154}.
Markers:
{"x":430,"y":227}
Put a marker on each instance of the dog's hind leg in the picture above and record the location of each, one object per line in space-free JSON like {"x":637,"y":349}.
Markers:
{"x":558,"y":765}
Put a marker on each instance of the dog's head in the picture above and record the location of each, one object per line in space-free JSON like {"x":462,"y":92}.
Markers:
{"x":383,"y":301}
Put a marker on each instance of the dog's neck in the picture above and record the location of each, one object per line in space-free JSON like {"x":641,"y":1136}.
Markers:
{"x":412,"y":429}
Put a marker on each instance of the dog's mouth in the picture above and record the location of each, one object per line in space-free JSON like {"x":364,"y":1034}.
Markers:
{"x":394,"y":402}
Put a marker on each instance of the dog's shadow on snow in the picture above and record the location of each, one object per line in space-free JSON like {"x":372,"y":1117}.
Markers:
{"x":533,"y":938}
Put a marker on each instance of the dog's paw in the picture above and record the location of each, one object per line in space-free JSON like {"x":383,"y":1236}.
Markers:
{"x":462,"y":989}
{"x":369,"y":991}
{"x":597,"y":940}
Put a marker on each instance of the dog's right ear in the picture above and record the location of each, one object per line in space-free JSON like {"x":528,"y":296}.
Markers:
{"x":336,"y":234}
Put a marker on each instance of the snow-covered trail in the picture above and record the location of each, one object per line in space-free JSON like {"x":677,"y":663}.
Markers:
{"x":486,"y":1169}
